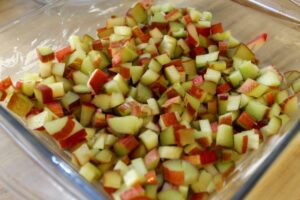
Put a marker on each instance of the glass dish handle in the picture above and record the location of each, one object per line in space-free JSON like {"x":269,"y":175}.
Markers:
{"x":284,"y":9}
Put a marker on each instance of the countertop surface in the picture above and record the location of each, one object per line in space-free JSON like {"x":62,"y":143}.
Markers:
{"x":279,"y":182}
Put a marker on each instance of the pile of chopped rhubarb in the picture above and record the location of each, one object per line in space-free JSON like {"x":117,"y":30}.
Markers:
{"x":160,"y":105}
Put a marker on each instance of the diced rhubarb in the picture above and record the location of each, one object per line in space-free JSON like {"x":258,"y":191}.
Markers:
{"x":74,"y":140}
{"x":125,"y":72}
{"x":125,"y":145}
{"x":198,"y":80}
{"x":187,"y":19}
{"x":169,"y":119}
{"x":205,"y":31}
{"x":151,"y":177}
{"x":246,"y":121}
{"x":216,"y":28}
{"x":45,"y":54}
{"x":97,"y":45}
{"x":199,"y":196}
{"x":223,"y":46}
{"x":208,"y":157}
{"x":56,"y":108}
{"x":65,"y":131}
{"x":97,"y":80}
{"x":174,"y":174}
{"x":196,"y":92}
{"x":133,"y":193}
{"x":63,"y":53}
{"x":223,"y":88}
{"x":5,"y":83}
{"x":152,"y":159}
{"x":257,"y":42}
{"x":160,"y":106}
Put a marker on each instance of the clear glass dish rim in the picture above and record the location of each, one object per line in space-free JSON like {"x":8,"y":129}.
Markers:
{"x":88,"y":190}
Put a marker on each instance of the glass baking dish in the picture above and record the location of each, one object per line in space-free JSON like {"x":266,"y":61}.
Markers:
{"x":53,"y":175}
